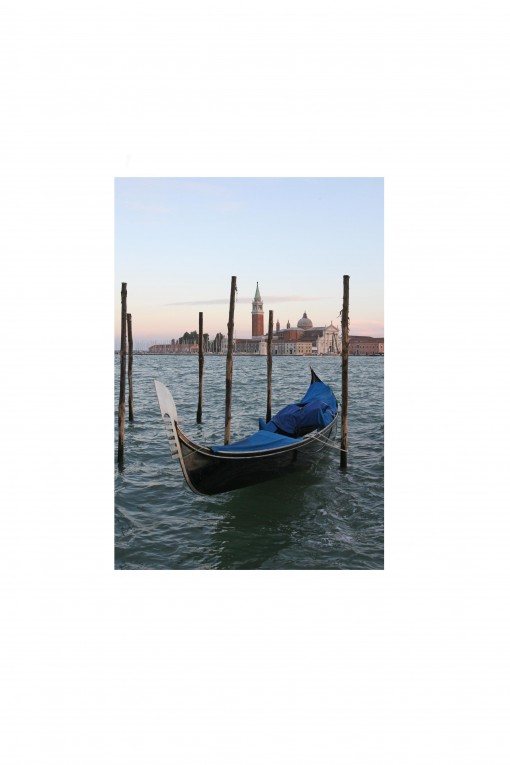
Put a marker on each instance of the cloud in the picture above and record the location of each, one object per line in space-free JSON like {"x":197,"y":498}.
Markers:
{"x":267,"y":299}
{"x":293,"y":298}
{"x":221,"y":301}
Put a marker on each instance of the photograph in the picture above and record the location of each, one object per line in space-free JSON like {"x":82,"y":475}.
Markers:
{"x":249,"y":373}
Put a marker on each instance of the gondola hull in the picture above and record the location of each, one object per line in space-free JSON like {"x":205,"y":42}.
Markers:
{"x":209,"y":473}
{"x":214,"y":474}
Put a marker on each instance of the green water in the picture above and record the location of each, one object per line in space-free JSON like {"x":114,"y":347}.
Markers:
{"x":321,"y":519}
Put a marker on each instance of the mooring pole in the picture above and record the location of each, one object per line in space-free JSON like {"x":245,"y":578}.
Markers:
{"x":122,"y":386}
{"x":130,"y":367}
{"x":230,"y":353}
{"x":345,"y":374}
{"x":269,"y":365}
{"x":200,"y":364}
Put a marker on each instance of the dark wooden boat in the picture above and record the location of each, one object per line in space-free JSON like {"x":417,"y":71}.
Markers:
{"x":292,"y":440}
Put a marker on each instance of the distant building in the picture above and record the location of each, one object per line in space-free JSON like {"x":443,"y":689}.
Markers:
{"x":302,"y":340}
{"x":305,"y":339}
{"x":293,"y":349}
{"x":257,"y":343}
{"x":249,"y":345}
{"x":257,"y":316}
{"x":174,"y":347}
{"x":360,"y":345}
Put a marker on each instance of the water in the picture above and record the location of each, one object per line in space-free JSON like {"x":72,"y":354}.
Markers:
{"x":320,"y":519}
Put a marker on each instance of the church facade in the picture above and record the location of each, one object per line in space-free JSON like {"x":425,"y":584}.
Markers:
{"x":306,"y":339}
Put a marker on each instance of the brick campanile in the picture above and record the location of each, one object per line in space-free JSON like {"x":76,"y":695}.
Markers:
{"x":257,"y":315}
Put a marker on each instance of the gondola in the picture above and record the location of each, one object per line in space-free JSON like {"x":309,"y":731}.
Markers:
{"x":292,"y":440}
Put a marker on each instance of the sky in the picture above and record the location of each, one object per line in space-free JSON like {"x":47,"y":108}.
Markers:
{"x":178,"y":242}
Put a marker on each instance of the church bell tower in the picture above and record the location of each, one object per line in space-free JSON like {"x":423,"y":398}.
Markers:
{"x":257,"y":315}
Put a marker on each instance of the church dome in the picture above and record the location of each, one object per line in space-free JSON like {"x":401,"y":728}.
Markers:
{"x":305,"y":322}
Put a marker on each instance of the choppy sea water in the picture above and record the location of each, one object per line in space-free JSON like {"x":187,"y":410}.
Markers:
{"x":324,"y":518}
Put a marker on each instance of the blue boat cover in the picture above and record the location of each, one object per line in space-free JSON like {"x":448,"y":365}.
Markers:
{"x":319,"y":391}
{"x":315,"y":410}
{"x":258,"y":441}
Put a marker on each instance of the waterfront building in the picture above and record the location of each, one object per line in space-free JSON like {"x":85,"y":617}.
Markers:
{"x":257,"y":316}
{"x":293,"y":349}
{"x":257,"y":343}
{"x":360,"y":345}
{"x":303,"y":339}
{"x":174,"y":347}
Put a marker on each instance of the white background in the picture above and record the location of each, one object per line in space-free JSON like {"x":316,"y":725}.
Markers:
{"x":405,"y":665}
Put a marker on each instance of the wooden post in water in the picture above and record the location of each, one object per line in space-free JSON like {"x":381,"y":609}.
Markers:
{"x":269,"y":366}
{"x":230,"y":353}
{"x":345,"y":374}
{"x":200,"y":364}
{"x":122,"y":387}
{"x":130,"y":367}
